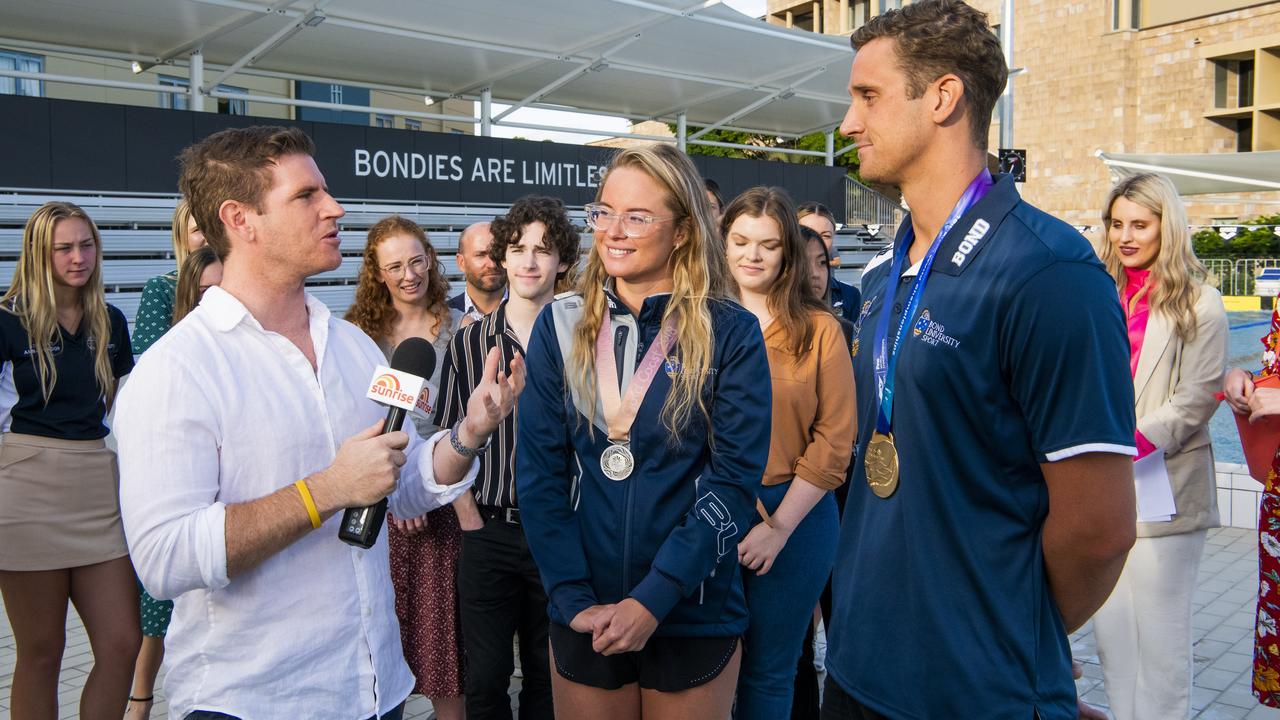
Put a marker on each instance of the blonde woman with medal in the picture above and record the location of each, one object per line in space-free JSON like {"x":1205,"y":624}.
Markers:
{"x":787,"y":554}
{"x":641,"y":443}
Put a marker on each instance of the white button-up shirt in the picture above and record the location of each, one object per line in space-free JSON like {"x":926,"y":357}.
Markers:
{"x":221,"y":411}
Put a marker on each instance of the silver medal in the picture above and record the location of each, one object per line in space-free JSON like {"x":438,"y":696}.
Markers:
{"x":616,"y":462}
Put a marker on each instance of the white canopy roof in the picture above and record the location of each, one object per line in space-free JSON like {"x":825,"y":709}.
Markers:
{"x":641,"y":59}
{"x":1202,"y":174}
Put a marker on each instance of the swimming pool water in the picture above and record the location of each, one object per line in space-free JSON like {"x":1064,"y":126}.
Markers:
{"x":1244,"y":350}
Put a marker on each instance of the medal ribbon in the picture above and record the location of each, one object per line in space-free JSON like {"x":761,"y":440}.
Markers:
{"x":620,"y":412}
{"x":886,"y":359}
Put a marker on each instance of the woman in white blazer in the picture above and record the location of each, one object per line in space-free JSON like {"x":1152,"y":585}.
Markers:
{"x":1178,"y":340}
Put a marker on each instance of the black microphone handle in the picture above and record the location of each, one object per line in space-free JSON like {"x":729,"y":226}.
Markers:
{"x":362,"y":525}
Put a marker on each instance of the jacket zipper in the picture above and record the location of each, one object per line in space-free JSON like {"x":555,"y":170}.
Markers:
{"x":697,"y":482}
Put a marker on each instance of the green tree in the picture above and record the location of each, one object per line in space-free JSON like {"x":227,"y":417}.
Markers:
{"x":1253,"y":239}
{"x":818,"y":142}
{"x":729,"y":136}
{"x":813,"y":141}
{"x":1208,"y":244}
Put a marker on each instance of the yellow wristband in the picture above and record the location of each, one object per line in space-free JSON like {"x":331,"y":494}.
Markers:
{"x":305,"y":492}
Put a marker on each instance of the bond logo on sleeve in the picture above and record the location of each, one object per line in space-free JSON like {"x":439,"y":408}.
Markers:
{"x":395,"y":387}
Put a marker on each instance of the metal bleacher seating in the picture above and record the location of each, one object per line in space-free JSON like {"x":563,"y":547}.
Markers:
{"x":856,"y":246}
{"x":136,"y":241}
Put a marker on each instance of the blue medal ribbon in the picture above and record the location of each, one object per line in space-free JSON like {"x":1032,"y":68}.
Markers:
{"x":886,"y":359}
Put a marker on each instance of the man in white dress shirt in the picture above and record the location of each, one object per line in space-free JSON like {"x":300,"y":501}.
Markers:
{"x":246,"y":429}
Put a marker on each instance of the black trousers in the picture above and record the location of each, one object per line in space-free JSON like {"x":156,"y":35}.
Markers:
{"x":839,"y":705}
{"x":500,"y":596}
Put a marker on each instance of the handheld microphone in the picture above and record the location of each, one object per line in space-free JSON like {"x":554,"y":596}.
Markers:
{"x":399,"y":387}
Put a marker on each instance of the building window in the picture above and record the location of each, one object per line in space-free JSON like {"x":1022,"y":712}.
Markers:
{"x":174,"y":101}
{"x":1126,"y":14}
{"x":383,"y":121}
{"x":411,"y":124}
{"x":859,"y":13}
{"x":1219,"y":84}
{"x":1244,"y":83}
{"x":1233,"y":81}
{"x":22,"y":62}
{"x":335,"y":94}
{"x":230,"y":106}
{"x":1244,"y":135}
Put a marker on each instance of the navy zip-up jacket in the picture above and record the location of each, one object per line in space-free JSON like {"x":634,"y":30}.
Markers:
{"x":668,"y":534}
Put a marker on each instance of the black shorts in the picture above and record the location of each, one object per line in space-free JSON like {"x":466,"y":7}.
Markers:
{"x":666,"y":664}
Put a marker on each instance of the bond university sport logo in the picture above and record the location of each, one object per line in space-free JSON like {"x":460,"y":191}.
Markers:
{"x":932,"y":332}
{"x":394,"y":387}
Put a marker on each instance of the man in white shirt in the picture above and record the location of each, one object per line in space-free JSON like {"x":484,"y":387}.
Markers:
{"x":246,"y":429}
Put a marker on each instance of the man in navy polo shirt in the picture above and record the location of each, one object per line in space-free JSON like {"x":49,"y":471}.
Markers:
{"x":992,"y":505}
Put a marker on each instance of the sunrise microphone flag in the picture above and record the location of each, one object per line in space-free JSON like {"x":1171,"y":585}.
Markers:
{"x":399,"y":387}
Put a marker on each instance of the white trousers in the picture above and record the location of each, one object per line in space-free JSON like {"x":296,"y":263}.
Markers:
{"x":1144,"y":629}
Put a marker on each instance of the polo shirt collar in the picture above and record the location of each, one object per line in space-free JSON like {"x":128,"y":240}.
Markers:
{"x":976,"y":227}
{"x":952,"y":259}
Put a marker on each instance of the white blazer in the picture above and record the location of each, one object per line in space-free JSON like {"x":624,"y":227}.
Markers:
{"x":1174,"y":388}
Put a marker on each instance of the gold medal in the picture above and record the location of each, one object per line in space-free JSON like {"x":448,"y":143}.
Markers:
{"x":882,"y":464}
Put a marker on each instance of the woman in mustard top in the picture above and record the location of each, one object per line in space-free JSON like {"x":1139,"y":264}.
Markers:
{"x":791,"y":547}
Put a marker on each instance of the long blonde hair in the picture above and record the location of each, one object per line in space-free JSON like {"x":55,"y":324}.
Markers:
{"x":31,"y":297}
{"x":1176,"y":274}
{"x":699,"y":276}
{"x":181,"y":218}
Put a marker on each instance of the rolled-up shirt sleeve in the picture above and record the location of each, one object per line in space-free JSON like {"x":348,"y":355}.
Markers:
{"x":418,"y":493}
{"x":167,"y":436}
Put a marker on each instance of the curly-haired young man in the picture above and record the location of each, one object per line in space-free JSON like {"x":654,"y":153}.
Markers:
{"x":499,"y":589}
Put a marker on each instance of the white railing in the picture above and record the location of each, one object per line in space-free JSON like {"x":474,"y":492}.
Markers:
{"x":1237,"y":277}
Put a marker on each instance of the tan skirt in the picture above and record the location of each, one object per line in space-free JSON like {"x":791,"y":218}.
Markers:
{"x":59,"y":503}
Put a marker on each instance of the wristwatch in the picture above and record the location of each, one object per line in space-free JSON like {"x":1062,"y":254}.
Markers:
{"x":463,"y":450}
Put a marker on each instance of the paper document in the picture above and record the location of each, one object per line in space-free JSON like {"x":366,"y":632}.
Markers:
{"x":1155,"y":494}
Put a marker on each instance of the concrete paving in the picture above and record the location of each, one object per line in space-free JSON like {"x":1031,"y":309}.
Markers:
{"x":1224,"y":605}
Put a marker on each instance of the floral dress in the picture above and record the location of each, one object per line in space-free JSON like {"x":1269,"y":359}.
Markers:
{"x":424,"y":572}
{"x":155,"y":314}
{"x":1266,"y":642}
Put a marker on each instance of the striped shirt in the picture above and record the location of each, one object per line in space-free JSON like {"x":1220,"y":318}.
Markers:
{"x":463,"y":368}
